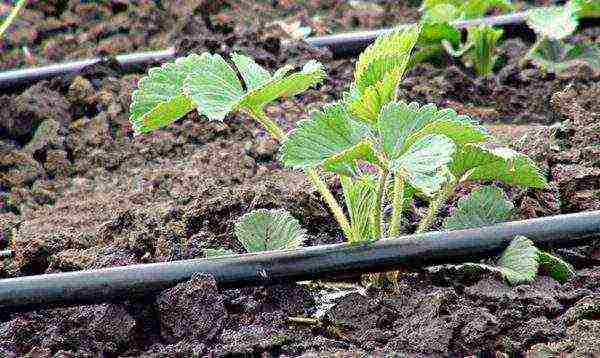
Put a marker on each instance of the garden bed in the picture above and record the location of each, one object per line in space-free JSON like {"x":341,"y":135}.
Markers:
{"x":78,"y":191}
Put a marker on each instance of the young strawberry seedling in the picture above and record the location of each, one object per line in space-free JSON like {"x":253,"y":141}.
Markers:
{"x":385,"y":151}
{"x":478,"y":50}
{"x":550,"y":52}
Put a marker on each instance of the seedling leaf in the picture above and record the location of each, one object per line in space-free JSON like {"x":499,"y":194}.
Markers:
{"x":554,"y":23}
{"x":557,"y":56}
{"x":253,"y":74}
{"x":401,"y":125}
{"x":422,"y":164}
{"x":484,"y":40}
{"x":264,"y":230}
{"x":453,"y":10}
{"x":311,"y":74}
{"x":388,"y":53}
{"x":368,"y":105}
{"x":558,"y":269}
{"x":159,"y":100}
{"x":331,"y":138}
{"x":477,"y":162}
{"x":588,"y":8}
{"x":519,"y":262}
{"x":441,"y":13}
{"x":216,"y":90}
{"x":359,"y":195}
{"x":484,"y":206}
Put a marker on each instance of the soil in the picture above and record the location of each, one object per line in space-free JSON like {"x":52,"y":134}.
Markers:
{"x":78,"y":191}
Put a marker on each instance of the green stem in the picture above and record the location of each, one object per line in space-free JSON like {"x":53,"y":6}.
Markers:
{"x":335,"y":208}
{"x":434,"y":207}
{"x":276,"y":132}
{"x":272,"y":128}
{"x":12,"y":16}
{"x":377,"y":222}
{"x":398,"y":205}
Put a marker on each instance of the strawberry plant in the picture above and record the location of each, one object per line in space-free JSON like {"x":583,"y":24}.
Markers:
{"x":385,"y":151}
{"x":439,"y":34}
{"x":550,"y":52}
{"x":478,"y":51}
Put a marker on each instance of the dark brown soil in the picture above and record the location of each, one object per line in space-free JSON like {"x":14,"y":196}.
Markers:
{"x":78,"y":191}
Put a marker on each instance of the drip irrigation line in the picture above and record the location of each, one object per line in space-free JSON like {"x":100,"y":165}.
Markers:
{"x":354,"y":42}
{"x":341,"y":45}
{"x":274,"y":267}
{"x":30,"y":75}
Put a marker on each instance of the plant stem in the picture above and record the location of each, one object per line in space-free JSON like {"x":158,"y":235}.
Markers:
{"x":12,"y":16}
{"x":335,"y":208}
{"x":276,"y":132}
{"x":377,"y":222}
{"x":272,"y":128}
{"x":434,"y":207}
{"x":398,"y":205}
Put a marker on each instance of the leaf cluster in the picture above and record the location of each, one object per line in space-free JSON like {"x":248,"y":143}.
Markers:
{"x":521,"y":259}
{"x":426,"y":149}
{"x":552,"y":25}
{"x":210,"y":85}
{"x":385,"y":151}
{"x":439,"y":18}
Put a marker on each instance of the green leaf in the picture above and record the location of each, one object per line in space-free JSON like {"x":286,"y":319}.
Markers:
{"x":473,"y":9}
{"x":454,"y":10}
{"x":558,"y":269}
{"x":557,"y":56}
{"x":359,"y":195}
{"x":588,"y":8}
{"x":398,"y":120}
{"x":422,"y":164}
{"x":311,"y":74}
{"x":253,"y":74}
{"x":368,"y":105}
{"x":214,"y":88}
{"x":484,"y":40}
{"x":519,"y":262}
{"x":483,"y":207}
{"x":159,"y":99}
{"x":264,"y":230}
{"x":220,"y":252}
{"x":441,"y":13}
{"x":331,"y":138}
{"x":554,"y":23}
{"x":400,"y":125}
{"x":389,"y":53}
{"x":461,"y":132}
{"x":434,"y":33}
{"x":477,"y":162}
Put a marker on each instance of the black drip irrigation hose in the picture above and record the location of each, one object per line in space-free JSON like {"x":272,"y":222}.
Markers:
{"x":29,"y":75}
{"x":274,"y":267}
{"x":340,"y":45}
